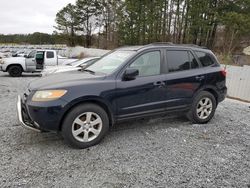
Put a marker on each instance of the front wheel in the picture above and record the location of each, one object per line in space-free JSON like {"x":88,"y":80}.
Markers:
{"x":85,"y":125}
{"x":15,"y":71}
{"x":203,"y":108}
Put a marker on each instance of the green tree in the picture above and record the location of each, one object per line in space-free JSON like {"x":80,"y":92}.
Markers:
{"x":88,"y":14}
{"x":235,"y":18}
{"x":67,"y":22}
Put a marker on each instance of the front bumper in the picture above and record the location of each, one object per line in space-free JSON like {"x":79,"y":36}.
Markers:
{"x":25,"y":122}
{"x":40,"y":116}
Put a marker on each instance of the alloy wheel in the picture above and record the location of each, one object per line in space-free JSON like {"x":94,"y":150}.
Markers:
{"x":204,"y":108}
{"x":87,"y":126}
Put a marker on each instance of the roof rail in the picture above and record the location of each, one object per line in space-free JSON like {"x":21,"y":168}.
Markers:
{"x":194,"y":45}
{"x":160,"y":43}
{"x":170,"y":43}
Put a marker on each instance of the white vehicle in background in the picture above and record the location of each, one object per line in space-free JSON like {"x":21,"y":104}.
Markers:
{"x":20,"y":53}
{"x":34,"y":62}
{"x":76,"y":65}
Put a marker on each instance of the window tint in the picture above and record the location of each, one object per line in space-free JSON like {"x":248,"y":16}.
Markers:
{"x":205,"y":59}
{"x":194,"y":63}
{"x":148,"y":64}
{"x":177,"y":60}
{"x":181,"y":60}
{"x":49,"y":55}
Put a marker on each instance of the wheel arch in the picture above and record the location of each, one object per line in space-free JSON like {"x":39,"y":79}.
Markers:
{"x":89,"y":99}
{"x":214,"y":93}
{"x":210,"y":89}
{"x":7,"y":68}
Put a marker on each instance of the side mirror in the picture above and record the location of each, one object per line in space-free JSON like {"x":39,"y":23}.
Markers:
{"x":130,"y":74}
{"x":26,"y":56}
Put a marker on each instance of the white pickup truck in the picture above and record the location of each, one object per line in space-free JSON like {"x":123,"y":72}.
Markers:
{"x":34,"y":62}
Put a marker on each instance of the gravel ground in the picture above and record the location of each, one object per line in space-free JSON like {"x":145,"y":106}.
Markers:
{"x":156,"y":152}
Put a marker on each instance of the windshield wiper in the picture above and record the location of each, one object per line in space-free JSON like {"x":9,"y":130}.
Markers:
{"x":87,"y":70}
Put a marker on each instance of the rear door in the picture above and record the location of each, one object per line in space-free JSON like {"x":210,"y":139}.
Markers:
{"x":185,"y":76}
{"x":50,"y":58}
{"x":148,"y":92}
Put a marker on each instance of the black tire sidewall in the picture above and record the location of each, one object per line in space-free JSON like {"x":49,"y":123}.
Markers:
{"x":194,"y":116}
{"x":12,"y":68}
{"x":75,"y":112}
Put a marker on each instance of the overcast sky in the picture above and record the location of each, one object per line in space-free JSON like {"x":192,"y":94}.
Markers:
{"x":28,"y":16}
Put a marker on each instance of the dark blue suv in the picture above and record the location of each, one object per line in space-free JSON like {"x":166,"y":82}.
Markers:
{"x":129,"y":82}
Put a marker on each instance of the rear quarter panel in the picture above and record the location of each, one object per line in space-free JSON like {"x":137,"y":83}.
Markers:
{"x":216,"y":81}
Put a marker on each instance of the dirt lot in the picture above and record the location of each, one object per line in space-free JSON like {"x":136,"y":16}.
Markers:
{"x":157,"y":152}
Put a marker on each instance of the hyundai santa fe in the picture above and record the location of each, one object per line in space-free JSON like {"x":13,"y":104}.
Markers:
{"x":127,"y":83}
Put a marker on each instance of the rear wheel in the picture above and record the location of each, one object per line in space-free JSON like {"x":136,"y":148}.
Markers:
{"x":85,"y":126}
{"x":15,"y":71}
{"x":203,"y":108}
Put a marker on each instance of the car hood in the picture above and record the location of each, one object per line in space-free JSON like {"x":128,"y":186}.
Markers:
{"x":59,"y":69}
{"x":66,"y":69}
{"x":62,"y":80}
{"x":55,"y":68}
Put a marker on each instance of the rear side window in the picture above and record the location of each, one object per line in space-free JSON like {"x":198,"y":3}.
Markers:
{"x":181,"y":61}
{"x":193,"y":61}
{"x":204,"y":58}
{"x":49,"y":55}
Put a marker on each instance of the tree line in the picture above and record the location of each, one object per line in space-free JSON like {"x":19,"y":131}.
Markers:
{"x":34,"y":38}
{"x":112,"y":23}
{"x":132,"y":22}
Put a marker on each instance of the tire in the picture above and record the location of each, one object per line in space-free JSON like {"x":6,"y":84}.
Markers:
{"x":203,"y":108}
{"x":81,"y":133}
{"x":15,"y":71}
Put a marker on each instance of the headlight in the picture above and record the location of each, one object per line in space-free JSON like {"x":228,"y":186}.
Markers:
{"x":48,"y":95}
{"x":1,"y":61}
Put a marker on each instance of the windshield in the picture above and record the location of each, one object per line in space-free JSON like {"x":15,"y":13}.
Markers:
{"x":110,"y":62}
{"x":78,"y":63}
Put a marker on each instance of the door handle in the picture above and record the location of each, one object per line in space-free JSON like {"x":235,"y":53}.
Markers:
{"x":199,"y":78}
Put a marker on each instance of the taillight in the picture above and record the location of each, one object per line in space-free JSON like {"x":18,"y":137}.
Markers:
{"x":224,"y":72}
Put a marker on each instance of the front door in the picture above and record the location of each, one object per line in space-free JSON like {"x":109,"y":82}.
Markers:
{"x":145,"y":94}
{"x":30,"y":61}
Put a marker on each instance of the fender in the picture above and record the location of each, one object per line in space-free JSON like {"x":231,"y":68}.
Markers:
{"x":13,"y":61}
{"x":90,"y":99}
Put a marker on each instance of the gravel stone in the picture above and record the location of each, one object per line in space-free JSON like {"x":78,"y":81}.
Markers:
{"x":163,"y":151}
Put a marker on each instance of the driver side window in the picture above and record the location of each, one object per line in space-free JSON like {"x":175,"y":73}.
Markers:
{"x":32,"y":54}
{"x":148,"y":64}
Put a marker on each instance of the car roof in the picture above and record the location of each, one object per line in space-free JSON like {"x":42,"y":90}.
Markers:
{"x":165,"y":44}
